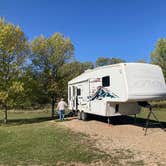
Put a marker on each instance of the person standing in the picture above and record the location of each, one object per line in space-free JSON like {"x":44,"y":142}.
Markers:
{"x":61,"y":109}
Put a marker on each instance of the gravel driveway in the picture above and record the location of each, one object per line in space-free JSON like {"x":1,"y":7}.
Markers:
{"x":150,"y":149}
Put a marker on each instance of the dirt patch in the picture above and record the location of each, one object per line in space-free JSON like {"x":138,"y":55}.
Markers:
{"x":150,"y":149}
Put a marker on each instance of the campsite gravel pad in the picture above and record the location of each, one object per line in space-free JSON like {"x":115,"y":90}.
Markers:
{"x":150,"y":149}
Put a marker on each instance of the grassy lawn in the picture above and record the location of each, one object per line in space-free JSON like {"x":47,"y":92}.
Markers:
{"x":26,"y":117}
{"x":30,"y":138}
{"x":42,"y":143}
{"x":159,"y":112}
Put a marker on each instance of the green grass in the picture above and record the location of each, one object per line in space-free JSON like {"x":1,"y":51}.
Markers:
{"x":135,"y":163}
{"x":159,"y":112}
{"x":159,"y":108}
{"x":26,"y":114}
{"x":30,"y":138}
{"x":44,"y":143}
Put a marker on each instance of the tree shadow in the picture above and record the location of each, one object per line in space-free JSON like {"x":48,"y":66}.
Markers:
{"x":67,"y":118}
{"x":129,"y":120}
{"x":25,"y":121}
{"x":115,"y":120}
{"x":21,"y":121}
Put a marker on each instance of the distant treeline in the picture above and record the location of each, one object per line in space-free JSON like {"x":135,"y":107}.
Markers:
{"x":35,"y":73}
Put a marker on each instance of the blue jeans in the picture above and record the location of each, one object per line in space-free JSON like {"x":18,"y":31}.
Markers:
{"x":61,"y":114}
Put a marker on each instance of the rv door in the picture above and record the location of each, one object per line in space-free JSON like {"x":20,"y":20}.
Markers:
{"x":74,"y":97}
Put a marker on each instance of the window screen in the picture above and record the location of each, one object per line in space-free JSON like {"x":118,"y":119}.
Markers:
{"x":106,"y":81}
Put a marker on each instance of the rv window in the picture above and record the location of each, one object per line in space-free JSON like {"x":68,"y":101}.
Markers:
{"x":78,"y":92}
{"x":106,"y":81}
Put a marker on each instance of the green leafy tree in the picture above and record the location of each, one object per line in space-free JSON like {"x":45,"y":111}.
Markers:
{"x":158,"y":56}
{"x":49,"y":54}
{"x":32,"y":95}
{"x":115,"y":61}
{"x":102,"y":61}
{"x":67,"y":72}
{"x":88,"y":65}
{"x":13,"y":50}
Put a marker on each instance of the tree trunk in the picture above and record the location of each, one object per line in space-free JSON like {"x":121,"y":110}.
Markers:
{"x":53,"y":107}
{"x":5,"y":114}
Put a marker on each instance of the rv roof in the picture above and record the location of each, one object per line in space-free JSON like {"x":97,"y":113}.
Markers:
{"x":107,"y":66}
{"x":84,"y":76}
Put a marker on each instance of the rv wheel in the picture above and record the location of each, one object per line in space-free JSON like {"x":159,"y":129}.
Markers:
{"x":79,"y":115}
{"x":84,"y":116}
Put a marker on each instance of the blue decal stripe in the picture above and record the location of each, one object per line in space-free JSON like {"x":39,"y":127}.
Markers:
{"x":102,"y":93}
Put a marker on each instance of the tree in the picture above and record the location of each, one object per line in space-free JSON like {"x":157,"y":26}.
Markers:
{"x":67,"y":72}
{"x":87,"y":65}
{"x":32,"y":95}
{"x":158,"y":56}
{"x":102,"y":61}
{"x":13,"y":50}
{"x":49,"y":54}
{"x":116,"y":60}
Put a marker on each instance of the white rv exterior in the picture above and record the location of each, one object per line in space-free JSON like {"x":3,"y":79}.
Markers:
{"x":116,"y":89}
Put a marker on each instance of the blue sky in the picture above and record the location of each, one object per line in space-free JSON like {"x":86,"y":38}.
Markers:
{"x":127,"y":29}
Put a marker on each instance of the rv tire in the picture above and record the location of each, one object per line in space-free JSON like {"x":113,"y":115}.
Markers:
{"x":79,"y":115}
{"x":84,"y":116}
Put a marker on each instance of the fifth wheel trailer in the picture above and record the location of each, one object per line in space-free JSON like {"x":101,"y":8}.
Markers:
{"x":115,"y":89}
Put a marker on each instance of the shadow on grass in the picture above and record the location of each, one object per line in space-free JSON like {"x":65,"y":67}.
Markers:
{"x":26,"y":121}
{"x":116,"y":120}
{"x":66,"y":119}
{"x":125,"y":120}
{"x":32,"y":120}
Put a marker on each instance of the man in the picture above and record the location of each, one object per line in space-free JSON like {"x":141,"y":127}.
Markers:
{"x":61,"y":109}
